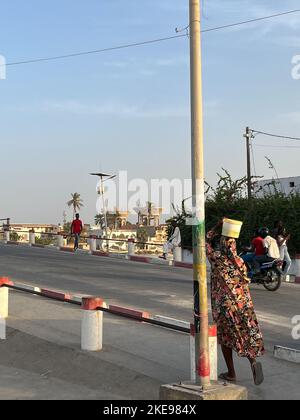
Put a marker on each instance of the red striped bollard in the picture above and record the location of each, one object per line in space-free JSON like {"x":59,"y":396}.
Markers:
{"x":92,"y":324}
{"x":213,"y":353}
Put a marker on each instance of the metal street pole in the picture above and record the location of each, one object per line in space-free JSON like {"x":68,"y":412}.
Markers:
{"x":104,"y":210}
{"x":199,"y":237}
{"x":103,"y":178}
{"x":248,"y":136}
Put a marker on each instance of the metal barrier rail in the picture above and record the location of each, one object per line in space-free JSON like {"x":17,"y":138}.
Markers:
{"x":92,"y":321}
{"x":102,"y":309}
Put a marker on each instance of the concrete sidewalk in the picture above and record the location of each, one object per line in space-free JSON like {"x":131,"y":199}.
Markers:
{"x":41,"y":359}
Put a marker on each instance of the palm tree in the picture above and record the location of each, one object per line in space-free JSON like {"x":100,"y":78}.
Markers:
{"x":76,"y":202}
{"x":99,"y":220}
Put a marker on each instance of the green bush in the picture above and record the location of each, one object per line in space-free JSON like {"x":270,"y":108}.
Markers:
{"x":228,"y":200}
{"x":44,"y":241}
{"x":14,"y":237}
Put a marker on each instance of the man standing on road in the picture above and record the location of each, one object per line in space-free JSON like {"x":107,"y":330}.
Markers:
{"x":76,"y":229}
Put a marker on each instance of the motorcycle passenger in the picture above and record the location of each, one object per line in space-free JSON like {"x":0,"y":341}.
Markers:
{"x":271,"y":250}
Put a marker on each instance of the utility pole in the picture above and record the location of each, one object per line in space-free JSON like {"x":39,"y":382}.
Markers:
{"x":199,"y":236}
{"x":248,"y":137}
{"x":103,"y":178}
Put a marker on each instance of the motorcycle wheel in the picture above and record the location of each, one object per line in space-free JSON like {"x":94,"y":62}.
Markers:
{"x":273,"y":280}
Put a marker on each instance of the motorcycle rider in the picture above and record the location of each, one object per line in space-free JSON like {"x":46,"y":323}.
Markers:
{"x":271,"y":250}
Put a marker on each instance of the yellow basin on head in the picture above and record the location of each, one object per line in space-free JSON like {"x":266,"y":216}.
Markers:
{"x":232,"y":228}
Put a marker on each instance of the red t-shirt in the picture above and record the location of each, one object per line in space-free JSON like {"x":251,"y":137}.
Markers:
{"x":77,"y":226}
{"x":258,"y":244}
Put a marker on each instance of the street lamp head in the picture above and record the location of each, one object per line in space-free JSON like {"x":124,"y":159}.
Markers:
{"x":100,"y":174}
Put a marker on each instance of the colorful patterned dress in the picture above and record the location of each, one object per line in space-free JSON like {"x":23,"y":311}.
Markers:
{"x":232,"y":305}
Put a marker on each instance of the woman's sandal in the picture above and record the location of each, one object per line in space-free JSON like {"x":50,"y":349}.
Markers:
{"x":258,"y":374}
{"x":226,"y":378}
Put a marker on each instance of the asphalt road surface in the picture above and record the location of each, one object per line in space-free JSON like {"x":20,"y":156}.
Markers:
{"x":158,"y":289}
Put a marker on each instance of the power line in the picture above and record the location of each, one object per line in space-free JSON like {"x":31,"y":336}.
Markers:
{"x":148,"y":42}
{"x":120,"y":47}
{"x":278,"y":136}
{"x":276,"y":147}
{"x":252,"y":20}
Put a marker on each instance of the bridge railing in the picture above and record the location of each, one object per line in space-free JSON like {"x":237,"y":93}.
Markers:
{"x":92,"y":243}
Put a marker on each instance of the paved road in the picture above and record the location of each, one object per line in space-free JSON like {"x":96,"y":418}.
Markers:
{"x":158,"y":289}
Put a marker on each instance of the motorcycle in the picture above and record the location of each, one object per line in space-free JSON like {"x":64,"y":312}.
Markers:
{"x":270,"y":275}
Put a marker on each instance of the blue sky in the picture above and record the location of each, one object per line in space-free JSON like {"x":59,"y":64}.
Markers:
{"x":129,"y":109}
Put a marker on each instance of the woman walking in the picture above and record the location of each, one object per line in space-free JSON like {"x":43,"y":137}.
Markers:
{"x":232,"y":306}
{"x":282,"y":238}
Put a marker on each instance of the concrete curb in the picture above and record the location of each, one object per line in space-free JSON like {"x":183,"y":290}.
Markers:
{"x":100,"y":254}
{"x":137,"y":258}
{"x":157,"y":261}
{"x":183,"y":265}
{"x":128,"y":311}
{"x":67,"y":249}
{"x":289,"y":355}
{"x":56,"y":295}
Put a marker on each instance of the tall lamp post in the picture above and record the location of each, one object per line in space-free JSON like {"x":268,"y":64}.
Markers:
{"x":103,"y":178}
{"x":199,"y":237}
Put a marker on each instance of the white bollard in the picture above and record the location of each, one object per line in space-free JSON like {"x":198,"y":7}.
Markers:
{"x":2,"y":328}
{"x":4,"y":282}
{"x":4,"y":302}
{"x":213,"y":353}
{"x":4,"y":294}
{"x":60,"y":241}
{"x":131,"y":247}
{"x":93,"y":245}
{"x":6,"y":236}
{"x":177,"y":254}
{"x":297,"y":265}
{"x":99,"y":243}
{"x":92,"y":324}
{"x":31,"y":238}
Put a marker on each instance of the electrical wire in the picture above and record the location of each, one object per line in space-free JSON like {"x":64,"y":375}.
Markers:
{"x":276,"y":147}
{"x":153,"y":41}
{"x":120,"y":47}
{"x":276,"y":135}
{"x":245,"y":22}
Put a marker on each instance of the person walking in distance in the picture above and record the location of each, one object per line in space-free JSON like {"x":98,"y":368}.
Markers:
{"x":282,"y":238}
{"x":76,"y":229}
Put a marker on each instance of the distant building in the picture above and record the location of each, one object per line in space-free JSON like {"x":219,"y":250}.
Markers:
{"x":149,"y":215}
{"x":282,"y":185}
{"x":117,"y":219}
{"x":41,"y":230}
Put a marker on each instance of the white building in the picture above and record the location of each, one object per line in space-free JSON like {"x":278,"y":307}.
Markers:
{"x":281,"y":185}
